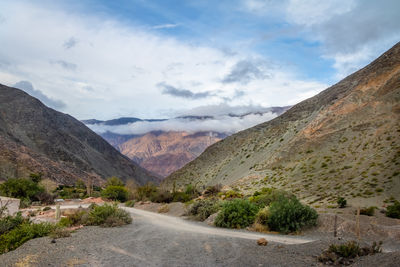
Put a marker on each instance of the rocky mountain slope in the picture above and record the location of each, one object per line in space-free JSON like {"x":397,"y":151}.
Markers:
{"x":35,"y":138}
{"x":165,"y":152}
{"x":344,"y":141}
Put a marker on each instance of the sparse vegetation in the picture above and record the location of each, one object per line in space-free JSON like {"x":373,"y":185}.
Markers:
{"x":130,"y":203}
{"x":342,"y":202}
{"x":202,"y":209}
{"x":163,"y":209}
{"x":107,"y":215}
{"x":344,"y":254}
{"x":393,"y":211}
{"x":368,"y":211}
{"x":231,"y":194}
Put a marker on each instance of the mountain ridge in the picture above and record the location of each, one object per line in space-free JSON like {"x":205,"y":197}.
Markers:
{"x":35,"y":138}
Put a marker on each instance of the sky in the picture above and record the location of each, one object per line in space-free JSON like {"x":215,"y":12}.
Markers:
{"x":159,"y":59}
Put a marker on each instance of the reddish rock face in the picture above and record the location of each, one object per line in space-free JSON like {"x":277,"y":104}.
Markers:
{"x":166,"y":152}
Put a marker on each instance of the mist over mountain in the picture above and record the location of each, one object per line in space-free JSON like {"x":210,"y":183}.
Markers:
{"x":219,"y":118}
{"x":162,"y":146}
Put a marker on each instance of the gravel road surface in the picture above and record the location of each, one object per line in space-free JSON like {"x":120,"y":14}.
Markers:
{"x":159,"y":240}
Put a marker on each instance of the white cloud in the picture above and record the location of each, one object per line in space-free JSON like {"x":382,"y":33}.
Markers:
{"x":165,"y":26}
{"x":309,"y":12}
{"x":105,"y":69}
{"x":221,"y":124}
{"x":352,"y":32}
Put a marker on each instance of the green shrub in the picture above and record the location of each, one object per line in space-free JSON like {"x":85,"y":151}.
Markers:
{"x":146,"y":191}
{"x":342,"y":203}
{"x":130,"y":203}
{"x":181,"y":197}
{"x":236,"y":213}
{"x":115,"y":181}
{"x":393,"y":211}
{"x":109,"y":216}
{"x":350,"y":249}
{"x":344,"y":254}
{"x":267,"y":196}
{"x":24,"y":232}
{"x":8,"y":223}
{"x":231,"y":194}
{"x":262,"y":216}
{"x":191,"y":190}
{"x":60,"y":232}
{"x":212,"y":190}
{"x":289,"y":215}
{"x":78,"y":217}
{"x":161,"y":196}
{"x":70,"y":192}
{"x":24,"y":189}
{"x":65,"y":222}
{"x":202,"y":209}
{"x":115,"y":192}
{"x":368,"y":211}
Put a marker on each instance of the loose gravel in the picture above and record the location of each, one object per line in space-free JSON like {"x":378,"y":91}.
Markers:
{"x":145,"y":243}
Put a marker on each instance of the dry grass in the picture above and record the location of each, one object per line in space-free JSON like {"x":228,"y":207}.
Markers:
{"x":163,"y":209}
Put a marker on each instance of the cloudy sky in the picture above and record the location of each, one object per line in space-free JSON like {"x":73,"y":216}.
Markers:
{"x":155,"y":59}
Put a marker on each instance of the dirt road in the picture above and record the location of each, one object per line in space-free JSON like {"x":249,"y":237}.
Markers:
{"x":178,"y":224}
{"x":159,"y":240}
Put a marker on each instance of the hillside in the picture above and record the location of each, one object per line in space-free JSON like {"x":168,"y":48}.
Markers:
{"x":35,"y":138}
{"x":165,"y":152}
{"x":344,"y":141}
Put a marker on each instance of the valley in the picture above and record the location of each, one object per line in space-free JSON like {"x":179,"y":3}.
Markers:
{"x":199,"y":133}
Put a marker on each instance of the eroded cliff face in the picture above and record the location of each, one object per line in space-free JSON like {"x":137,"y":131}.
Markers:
{"x":165,"y":152}
{"x":35,"y":138}
{"x":344,"y":141}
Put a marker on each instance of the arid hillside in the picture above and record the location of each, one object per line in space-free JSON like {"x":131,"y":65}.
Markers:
{"x":344,"y":141}
{"x":38,"y":139}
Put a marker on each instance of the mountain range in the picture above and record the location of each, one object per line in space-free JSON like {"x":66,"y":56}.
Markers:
{"x":345,"y":141}
{"x":38,"y":139}
{"x":167,"y":150}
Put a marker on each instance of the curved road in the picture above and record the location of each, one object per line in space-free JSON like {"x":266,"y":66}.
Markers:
{"x":178,"y":224}
{"x":159,"y":240}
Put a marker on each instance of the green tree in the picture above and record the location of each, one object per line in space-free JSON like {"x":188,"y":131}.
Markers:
{"x":114,"y":181}
{"x":25,"y":189}
{"x":115,"y":192}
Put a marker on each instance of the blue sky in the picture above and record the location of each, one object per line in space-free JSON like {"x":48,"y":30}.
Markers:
{"x":159,"y":59}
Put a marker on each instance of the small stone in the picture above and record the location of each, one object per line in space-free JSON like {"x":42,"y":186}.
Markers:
{"x":262,"y":242}
{"x":53,"y":241}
